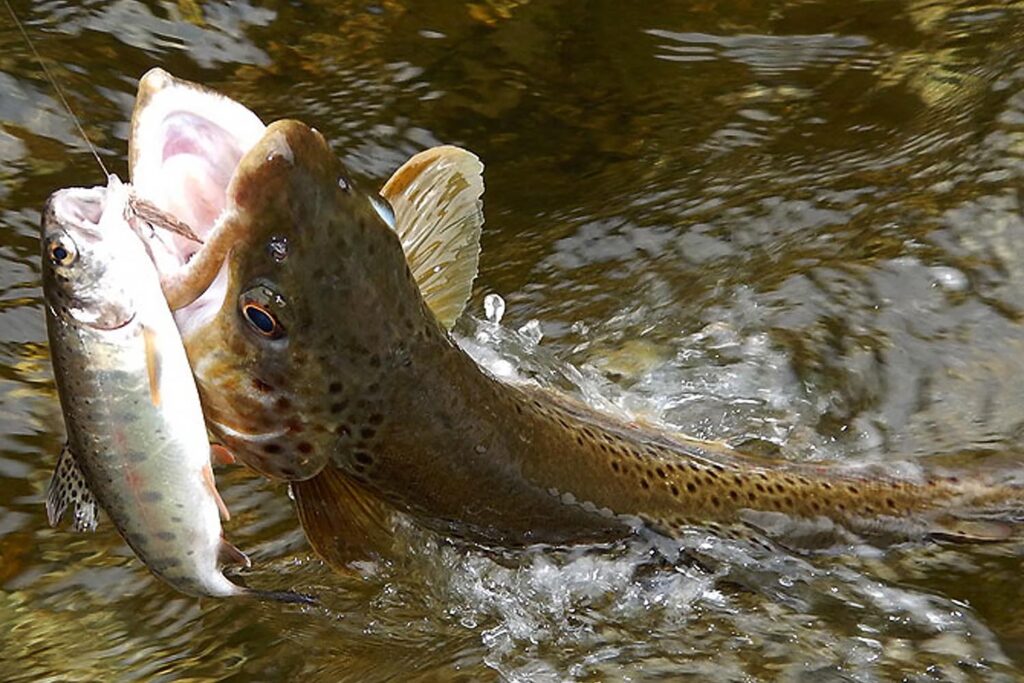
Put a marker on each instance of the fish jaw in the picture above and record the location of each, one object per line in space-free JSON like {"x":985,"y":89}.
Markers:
{"x":184,"y":145}
{"x":200,"y":157}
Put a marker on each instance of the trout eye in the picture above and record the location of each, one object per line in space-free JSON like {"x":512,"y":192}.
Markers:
{"x":61,"y":251}
{"x":262,"y":320}
{"x":260,"y":306}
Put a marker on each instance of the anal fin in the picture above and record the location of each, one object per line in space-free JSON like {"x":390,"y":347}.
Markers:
{"x":229,"y":555}
{"x":343,"y":520}
{"x":68,"y":488}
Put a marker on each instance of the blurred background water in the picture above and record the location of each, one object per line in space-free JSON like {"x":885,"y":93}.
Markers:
{"x":790,"y":225}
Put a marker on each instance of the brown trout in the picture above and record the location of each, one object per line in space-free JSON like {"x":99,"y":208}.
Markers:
{"x":137,"y":442}
{"x":322,"y":359}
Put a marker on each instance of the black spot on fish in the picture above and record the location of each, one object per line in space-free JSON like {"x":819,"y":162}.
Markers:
{"x":137,"y":540}
{"x":166,"y":563}
{"x":261,"y":386}
{"x":363,"y":457}
{"x":334,"y":387}
{"x":272,"y":448}
{"x":305,"y":447}
{"x":165,"y":535}
{"x":367,"y":432}
{"x":151,"y":496}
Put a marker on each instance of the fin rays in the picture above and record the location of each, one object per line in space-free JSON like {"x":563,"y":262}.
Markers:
{"x":436,"y":197}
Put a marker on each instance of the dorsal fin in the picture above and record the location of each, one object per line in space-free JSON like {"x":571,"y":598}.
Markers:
{"x":438,"y":216}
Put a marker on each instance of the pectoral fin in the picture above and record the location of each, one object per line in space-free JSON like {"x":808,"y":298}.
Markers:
{"x":438,"y":216}
{"x":152,"y":364}
{"x":343,"y":520}
{"x":68,"y":488}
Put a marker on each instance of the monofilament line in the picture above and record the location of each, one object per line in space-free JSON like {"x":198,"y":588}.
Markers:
{"x":56,"y":87}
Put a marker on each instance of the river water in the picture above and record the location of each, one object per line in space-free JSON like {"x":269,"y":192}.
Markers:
{"x":790,"y":225}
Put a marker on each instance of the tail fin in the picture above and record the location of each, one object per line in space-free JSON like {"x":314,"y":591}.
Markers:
{"x":343,"y":520}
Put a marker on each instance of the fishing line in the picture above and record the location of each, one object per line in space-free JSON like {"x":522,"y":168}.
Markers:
{"x":56,"y":87}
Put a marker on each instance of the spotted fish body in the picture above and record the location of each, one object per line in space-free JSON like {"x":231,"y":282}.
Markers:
{"x":137,"y":442}
{"x":348,"y":384}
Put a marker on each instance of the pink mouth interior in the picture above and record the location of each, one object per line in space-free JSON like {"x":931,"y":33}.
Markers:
{"x":197,"y":161}
{"x":187,"y":144}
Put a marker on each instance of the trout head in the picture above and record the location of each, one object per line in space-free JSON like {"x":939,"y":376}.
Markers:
{"x":318,"y":302}
{"x":85,"y":281}
{"x":313,"y":302}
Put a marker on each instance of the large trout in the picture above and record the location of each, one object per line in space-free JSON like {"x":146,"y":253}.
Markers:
{"x":321,"y":359}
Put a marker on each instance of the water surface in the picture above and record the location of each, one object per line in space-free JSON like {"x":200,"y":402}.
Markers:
{"x":791,"y":225}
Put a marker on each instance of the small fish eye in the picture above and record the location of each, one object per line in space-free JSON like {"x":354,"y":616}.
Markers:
{"x":262,"y":321}
{"x":61,"y":252}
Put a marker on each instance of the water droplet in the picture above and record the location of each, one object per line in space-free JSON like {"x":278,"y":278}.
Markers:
{"x":494,"y":308}
{"x":532,"y":332}
{"x":278,"y":248}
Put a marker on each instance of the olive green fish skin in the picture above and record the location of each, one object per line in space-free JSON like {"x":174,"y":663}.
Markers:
{"x":142,"y":449}
{"x":360,"y":376}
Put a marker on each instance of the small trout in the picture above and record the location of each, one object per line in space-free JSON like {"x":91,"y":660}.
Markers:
{"x":137,"y":442}
{"x":323,"y":358}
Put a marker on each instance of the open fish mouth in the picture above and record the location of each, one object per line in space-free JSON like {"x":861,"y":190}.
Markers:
{"x":76,"y":221}
{"x":185,"y":146}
